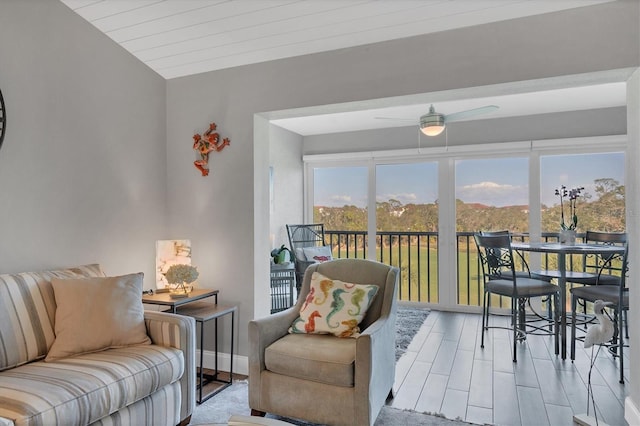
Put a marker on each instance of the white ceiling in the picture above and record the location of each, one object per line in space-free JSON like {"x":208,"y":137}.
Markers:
{"x":183,"y":37}
{"x":606,"y":95}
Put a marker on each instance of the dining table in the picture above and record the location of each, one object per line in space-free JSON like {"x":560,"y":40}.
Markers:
{"x":561,"y":275}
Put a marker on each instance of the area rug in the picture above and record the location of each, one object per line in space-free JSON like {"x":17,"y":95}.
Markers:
{"x":234,"y":399}
{"x":408,"y":323}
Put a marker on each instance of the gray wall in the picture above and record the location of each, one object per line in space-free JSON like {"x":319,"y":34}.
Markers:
{"x":83,"y":164}
{"x":231,"y":204}
{"x":285,"y":154}
{"x":599,"y":122}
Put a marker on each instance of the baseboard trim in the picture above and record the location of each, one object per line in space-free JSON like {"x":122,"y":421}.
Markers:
{"x":631,"y":412}
{"x":240,"y":363}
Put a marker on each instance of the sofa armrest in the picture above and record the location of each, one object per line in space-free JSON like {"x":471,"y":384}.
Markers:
{"x":177,"y":331}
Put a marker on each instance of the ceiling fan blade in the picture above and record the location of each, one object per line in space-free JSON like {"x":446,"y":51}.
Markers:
{"x":409,"y":120}
{"x":470,"y":113}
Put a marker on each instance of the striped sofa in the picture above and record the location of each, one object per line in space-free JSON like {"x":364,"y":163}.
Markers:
{"x":137,"y":385}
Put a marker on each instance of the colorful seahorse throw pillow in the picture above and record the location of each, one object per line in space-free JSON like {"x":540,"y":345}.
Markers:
{"x":334,"y":307}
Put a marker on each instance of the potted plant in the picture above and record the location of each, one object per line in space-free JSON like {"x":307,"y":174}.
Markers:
{"x":281,"y":255}
{"x":180,"y":278}
{"x":567,"y":233}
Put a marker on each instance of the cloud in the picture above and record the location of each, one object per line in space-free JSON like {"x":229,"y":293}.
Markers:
{"x":493,"y":194}
{"x":404,"y":198}
{"x":340,"y":199}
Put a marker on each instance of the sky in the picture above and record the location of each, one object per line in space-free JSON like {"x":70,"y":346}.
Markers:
{"x":494,"y":182}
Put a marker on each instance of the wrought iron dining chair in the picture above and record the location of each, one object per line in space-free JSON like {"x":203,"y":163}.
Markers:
{"x":603,"y":269}
{"x":615,"y":294}
{"x":500,"y":278}
{"x":599,"y":269}
{"x":525,"y":272}
{"x":301,"y":236}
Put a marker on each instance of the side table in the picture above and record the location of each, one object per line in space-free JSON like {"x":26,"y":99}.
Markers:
{"x":165,"y":299}
{"x":202,"y":312}
{"x":195,"y":305}
{"x":283,"y":281}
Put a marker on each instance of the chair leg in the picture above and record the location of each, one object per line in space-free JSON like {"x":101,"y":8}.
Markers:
{"x":573,"y":327}
{"x":556,"y":322}
{"x":514,"y":320}
{"x":522,"y":325}
{"x":485,"y":311}
{"x":619,"y":314}
{"x":551,"y":306}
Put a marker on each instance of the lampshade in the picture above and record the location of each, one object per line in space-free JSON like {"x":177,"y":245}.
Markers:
{"x":432,"y":124}
{"x":432,"y":130}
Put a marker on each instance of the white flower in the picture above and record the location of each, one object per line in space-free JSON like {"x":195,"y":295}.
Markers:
{"x":181,"y":273}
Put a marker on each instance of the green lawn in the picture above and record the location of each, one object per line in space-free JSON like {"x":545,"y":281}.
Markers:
{"x":419,"y":273}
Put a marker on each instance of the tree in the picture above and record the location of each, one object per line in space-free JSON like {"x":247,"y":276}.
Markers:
{"x":603,"y":211}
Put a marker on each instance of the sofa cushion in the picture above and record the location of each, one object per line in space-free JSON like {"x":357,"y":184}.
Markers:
{"x":85,"y":388}
{"x":333,"y":307}
{"x":97,"y":313}
{"x":159,"y":408}
{"x":320,"y":358}
{"x":27,"y":312}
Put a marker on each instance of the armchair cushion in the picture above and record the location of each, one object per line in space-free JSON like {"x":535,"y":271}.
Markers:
{"x":97,"y":313}
{"x":324,"y":359}
{"x":333,"y":307}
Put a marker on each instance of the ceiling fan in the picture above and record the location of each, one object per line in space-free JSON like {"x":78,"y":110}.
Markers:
{"x":433,"y":123}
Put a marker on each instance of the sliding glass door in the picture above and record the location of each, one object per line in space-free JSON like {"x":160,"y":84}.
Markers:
{"x":407,"y":226}
{"x":340,"y":202}
{"x":420,"y":212}
{"x":491,"y":195}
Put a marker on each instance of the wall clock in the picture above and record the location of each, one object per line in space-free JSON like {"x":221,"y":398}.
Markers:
{"x":3,"y":119}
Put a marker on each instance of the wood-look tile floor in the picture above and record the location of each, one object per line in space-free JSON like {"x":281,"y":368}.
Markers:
{"x":445,"y":371}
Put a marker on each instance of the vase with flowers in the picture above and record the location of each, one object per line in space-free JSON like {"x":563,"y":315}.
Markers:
{"x":567,"y":233}
{"x":180,"y":278}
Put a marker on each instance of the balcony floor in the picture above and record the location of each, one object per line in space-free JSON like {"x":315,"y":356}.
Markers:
{"x":445,"y":371}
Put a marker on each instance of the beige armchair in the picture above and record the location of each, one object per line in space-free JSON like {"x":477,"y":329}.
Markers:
{"x":323,"y":378}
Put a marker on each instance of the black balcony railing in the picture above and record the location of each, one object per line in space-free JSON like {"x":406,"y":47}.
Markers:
{"x":416,"y":255}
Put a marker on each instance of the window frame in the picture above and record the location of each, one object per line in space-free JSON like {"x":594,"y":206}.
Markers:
{"x":446,"y":158}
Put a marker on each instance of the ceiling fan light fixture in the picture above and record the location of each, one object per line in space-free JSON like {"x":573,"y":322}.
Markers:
{"x":432,"y":124}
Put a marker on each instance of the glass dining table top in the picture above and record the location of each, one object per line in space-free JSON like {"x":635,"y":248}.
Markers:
{"x":566,"y":248}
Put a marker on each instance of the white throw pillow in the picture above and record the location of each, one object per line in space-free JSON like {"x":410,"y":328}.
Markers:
{"x":300,"y":254}
{"x":94,"y":314}
{"x":318,"y":254}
